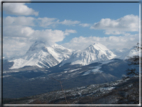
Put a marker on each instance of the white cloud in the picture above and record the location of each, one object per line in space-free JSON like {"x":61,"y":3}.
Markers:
{"x":31,"y":21}
{"x":69,"y":22}
{"x":45,"y":22}
{"x":17,"y":31}
{"x":22,"y":21}
{"x":119,"y":26}
{"x":18,"y":9}
{"x":15,"y":46}
{"x":112,"y":42}
{"x":27,"y":32}
{"x":68,"y":31}
{"x":84,"y":25}
{"x":51,"y":36}
{"x":17,"y":39}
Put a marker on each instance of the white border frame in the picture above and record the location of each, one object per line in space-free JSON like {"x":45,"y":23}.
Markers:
{"x":140,"y":39}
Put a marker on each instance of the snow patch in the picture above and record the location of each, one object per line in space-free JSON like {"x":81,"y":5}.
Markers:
{"x":106,"y":89}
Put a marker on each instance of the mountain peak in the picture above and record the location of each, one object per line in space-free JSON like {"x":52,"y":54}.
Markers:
{"x":94,"y":53}
{"x":39,"y":42}
{"x":95,"y":43}
{"x":96,"y":46}
{"x":37,"y":45}
{"x":42,"y":55}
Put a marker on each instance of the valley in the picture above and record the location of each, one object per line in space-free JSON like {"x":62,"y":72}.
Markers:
{"x":117,"y":92}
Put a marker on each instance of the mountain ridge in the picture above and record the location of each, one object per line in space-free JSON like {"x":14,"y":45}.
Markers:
{"x":43,"y":55}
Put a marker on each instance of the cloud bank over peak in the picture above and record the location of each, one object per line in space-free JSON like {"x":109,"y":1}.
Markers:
{"x":51,"y":36}
{"x":17,"y":40}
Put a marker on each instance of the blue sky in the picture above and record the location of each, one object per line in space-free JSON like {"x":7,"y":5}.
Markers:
{"x":73,"y":25}
{"x":85,"y":13}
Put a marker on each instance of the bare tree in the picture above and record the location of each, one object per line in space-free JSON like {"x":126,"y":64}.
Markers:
{"x":61,"y":88}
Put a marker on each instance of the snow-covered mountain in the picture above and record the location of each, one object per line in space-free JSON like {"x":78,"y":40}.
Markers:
{"x":126,"y":53}
{"x":94,"y":53}
{"x":133,"y":52}
{"x":42,"y":56}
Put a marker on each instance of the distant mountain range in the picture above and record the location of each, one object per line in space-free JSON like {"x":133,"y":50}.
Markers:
{"x":43,"y":56}
{"x":43,"y":66}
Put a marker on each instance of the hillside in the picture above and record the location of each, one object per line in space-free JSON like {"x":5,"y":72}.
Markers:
{"x":124,"y":91}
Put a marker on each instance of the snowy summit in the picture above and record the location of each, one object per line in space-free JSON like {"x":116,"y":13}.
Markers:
{"x":42,"y":56}
{"x":94,"y":53}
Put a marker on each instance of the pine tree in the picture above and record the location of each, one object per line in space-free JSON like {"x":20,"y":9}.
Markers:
{"x":134,"y":61}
